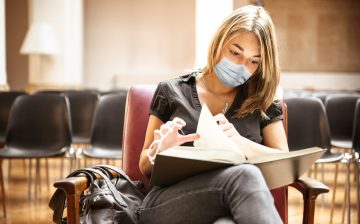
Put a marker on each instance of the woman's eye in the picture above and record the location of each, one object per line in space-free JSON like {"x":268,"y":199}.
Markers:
{"x":254,"y":62}
{"x":234,"y":53}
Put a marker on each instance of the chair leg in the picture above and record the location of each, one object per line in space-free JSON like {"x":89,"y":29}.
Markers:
{"x":47,"y":174}
{"x":347,"y":195}
{"x":348,"y":205}
{"x":30,"y":179}
{"x":37,"y":177}
{"x":310,"y":171}
{"x":316,"y":166}
{"x":24,"y":165}
{"x":76,"y":157}
{"x":70,"y":164}
{"x":62,"y":168}
{"x":334,"y":193}
{"x":39,"y":173}
{"x":310,"y":205}
{"x":357,"y":189}
{"x":2,"y":188}
{"x":322,"y":180}
{"x":344,"y":207}
{"x":9,"y":170}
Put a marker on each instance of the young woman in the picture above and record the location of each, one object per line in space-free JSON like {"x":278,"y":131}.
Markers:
{"x":238,"y":85}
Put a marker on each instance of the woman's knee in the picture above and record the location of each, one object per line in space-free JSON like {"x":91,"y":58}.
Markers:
{"x":248,"y":176}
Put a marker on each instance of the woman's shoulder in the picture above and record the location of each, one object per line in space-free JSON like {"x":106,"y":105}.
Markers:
{"x":178,"y":81}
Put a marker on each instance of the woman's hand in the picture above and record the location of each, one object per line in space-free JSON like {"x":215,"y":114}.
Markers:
{"x":248,"y":147}
{"x":168,"y":136}
{"x":229,"y":129}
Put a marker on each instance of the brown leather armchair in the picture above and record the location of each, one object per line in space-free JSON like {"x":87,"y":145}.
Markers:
{"x":136,"y":118}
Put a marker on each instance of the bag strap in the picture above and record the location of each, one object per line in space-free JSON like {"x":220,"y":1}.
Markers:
{"x":116,"y":170}
{"x":120,"y":173}
{"x":57,"y":204}
{"x":110,"y":185}
{"x":57,"y":201}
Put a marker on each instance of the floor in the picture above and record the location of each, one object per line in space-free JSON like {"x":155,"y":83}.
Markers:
{"x":24,"y":209}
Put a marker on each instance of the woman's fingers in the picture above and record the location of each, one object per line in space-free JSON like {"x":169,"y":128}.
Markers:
{"x":188,"y":138}
{"x":176,"y":123}
{"x":157,"y":134}
{"x":226,"y":126}
{"x":231,"y":132}
{"x":171,"y":123}
{"x":221,"y":119}
{"x":180,"y":121}
{"x":165,"y":127}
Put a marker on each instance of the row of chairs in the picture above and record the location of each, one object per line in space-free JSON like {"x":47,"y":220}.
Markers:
{"x":120,"y":115}
{"x":81,"y":106}
{"x":44,"y":125}
{"x":331,"y":122}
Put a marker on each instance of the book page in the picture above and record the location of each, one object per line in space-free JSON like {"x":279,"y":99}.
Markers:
{"x":284,"y":155}
{"x":211,"y":136}
{"x":204,"y":153}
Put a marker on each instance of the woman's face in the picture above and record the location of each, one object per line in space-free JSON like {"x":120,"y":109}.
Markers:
{"x":244,"y":48}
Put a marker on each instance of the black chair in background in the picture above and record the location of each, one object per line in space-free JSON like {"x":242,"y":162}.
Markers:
{"x":340,"y":110}
{"x":6,"y":101}
{"x":113,"y":91}
{"x":308,"y":127}
{"x":38,"y":128}
{"x":107,"y":130}
{"x":55,"y":92}
{"x":82,"y":106}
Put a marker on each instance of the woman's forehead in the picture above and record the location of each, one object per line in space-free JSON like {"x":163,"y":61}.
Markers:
{"x":248,"y":41}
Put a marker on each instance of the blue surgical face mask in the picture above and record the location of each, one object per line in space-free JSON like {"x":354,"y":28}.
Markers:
{"x":231,"y":74}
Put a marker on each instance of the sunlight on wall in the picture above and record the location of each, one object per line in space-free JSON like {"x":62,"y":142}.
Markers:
{"x":209,"y":15}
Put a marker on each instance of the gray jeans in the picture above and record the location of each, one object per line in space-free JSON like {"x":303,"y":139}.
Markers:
{"x":237,"y":191}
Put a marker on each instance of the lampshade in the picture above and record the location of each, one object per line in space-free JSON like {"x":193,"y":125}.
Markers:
{"x":40,"y":39}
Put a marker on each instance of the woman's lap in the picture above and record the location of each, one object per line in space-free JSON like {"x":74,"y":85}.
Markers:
{"x":204,"y":198}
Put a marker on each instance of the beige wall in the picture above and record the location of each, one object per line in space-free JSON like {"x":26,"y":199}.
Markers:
{"x":130,"y":42}
{"x":16,"y":27}
{"x":63,"y":68}
{"x":317,"y":35}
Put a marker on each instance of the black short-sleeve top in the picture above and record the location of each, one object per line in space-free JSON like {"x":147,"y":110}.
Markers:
{"x":178,"y":98}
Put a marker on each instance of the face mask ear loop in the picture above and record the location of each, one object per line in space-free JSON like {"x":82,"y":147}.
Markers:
{"x":152,"y":158}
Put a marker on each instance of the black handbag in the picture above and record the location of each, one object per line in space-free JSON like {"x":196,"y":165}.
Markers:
{"x":108,"y":200}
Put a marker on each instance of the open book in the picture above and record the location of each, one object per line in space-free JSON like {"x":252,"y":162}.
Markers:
{"x":215,"y":150}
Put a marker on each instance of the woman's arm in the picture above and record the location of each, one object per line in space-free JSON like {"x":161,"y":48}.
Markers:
{"x":144,"y":163}
{"x":274,"y":138}
{"x":160,"y":137}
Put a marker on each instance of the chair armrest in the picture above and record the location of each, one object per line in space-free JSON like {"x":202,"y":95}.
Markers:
{"x":310,"y":189}
{"x":73,"y":188}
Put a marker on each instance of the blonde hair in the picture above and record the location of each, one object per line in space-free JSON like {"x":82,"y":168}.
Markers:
{"x":263,"y":83}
